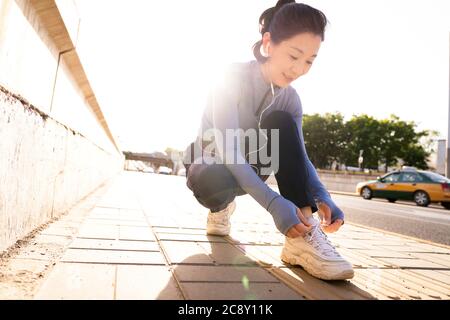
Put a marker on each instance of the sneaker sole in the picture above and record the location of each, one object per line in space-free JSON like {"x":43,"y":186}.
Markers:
{"x":290,"y":258}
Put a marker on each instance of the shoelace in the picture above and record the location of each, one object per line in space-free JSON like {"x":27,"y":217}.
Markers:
{"x":319,"y":240}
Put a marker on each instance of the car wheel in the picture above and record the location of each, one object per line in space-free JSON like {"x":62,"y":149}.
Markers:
{"x":366,"y":193}
{"x":391,"y":200}
{"x":446,"y":205}
{"x":421,"y":198}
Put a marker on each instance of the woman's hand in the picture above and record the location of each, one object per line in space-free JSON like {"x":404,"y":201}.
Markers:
{"x":301,"y":228}
{"x":325,"y":215}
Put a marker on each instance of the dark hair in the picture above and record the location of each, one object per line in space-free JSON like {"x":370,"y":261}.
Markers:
{"x":288,"y":19}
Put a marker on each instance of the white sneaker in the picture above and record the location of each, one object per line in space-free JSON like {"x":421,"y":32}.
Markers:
{"x":315,"y":253}
{"x":218,"y":223}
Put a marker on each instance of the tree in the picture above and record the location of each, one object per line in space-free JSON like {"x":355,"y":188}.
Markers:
{"x":385,"y":141}
{"x":328,"y":138}
{"x":362,"y":133}
{"x":323,"y":138}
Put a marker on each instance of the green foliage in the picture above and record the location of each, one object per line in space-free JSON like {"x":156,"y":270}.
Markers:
{"x":329,"y":138}
{"x":324,"y":137}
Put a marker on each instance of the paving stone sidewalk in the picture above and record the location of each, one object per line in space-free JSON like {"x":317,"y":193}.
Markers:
{"x":145,"y":239}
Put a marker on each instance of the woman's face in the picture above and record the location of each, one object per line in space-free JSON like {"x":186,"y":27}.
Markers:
{"x":290,"y":59}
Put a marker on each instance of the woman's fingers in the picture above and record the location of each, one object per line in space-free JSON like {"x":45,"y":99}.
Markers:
{"x":302,"y":229}
{"x":298,"y":230}
{"x":333,"y":227}
{"x":292,"y":233}
{"x":324,"y":214}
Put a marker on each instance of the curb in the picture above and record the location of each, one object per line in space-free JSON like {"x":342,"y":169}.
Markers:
{"x":345,"y":193}
{"x":400,"y":235}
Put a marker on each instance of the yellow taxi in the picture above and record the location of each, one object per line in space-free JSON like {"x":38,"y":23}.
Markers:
{"x":423,"y":187}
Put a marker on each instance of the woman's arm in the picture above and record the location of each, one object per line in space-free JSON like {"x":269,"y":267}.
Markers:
{"x":318,"y":190}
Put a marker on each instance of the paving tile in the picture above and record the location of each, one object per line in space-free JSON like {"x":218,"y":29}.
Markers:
{"x":441,"y":277}
{"x":316,"y":289}
{"x":126,"y":217}
{"x":113,"y":203}
{"x":146,"y":283}
{"x":361,"y":260}
{"x":382,"y":253}
{"x":81,"y":243}
{"x":75,"y":281}
{"x":186,"y":252}
{"x":385,"y":283}
{"x":54,"y":239}
{"x":98,"y":210}
{"x":117,"y":222}
{"x":425,"y":247}
{"x":179,"y":230}
{"x":163,"y":222}
{"x":189,"y":237}
{"x":136,"y":233}
{"x":424,"y":289}
{"x":438,"y":258}
{"x":131,"y":213}
{"x":431,"y":279}
{"x":372,"y":287}
{"x":262,"y":255}
{"x":242,"y":237}
{"x":98,"y":231}
{"x":113,"y":256}
{"x":350,"y":244}
{"x":59,"y":231}
{"x":222,"y":273}
{"x":239,"y":291}
{"x":225,"y":253}
{"x":192,"y":223}
{"x":411,"y":263}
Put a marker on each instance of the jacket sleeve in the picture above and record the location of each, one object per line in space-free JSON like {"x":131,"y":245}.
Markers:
{"x":318,"y":190}
{"x":223,"y":100}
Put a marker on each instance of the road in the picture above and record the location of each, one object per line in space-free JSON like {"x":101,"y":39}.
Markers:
{"x":430,"y":223}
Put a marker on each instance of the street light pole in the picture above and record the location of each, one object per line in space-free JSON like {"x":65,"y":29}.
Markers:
{"x":447,"y":167}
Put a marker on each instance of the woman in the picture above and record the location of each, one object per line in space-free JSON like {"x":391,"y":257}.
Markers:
{"x":257,"y":97}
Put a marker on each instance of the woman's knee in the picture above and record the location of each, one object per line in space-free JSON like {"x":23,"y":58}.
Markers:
{"x":279,"y":120}
{"x":213,"y":185}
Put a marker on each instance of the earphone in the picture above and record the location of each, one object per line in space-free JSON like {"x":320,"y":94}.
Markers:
{"x":263,"y":52}
{"x":259,"y":121}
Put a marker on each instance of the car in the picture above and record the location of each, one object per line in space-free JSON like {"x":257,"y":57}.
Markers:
{"x":148,"y":169}
{"x":164,"y":170}
{"x":423,"y":187}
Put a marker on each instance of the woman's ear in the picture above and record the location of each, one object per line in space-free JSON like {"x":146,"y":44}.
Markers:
{"x":265,"y":46}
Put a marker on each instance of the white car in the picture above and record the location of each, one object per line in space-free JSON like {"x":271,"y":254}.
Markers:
{"x":149,"y":170}
{"x":164,"y":170}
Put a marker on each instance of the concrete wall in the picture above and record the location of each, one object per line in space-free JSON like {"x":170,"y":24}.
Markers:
{"x":55,"y":147}
{"x":337,"y":181}
{"x":343,"y":182}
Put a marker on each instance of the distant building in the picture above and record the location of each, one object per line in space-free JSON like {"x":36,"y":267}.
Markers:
{"x":440,"y":156}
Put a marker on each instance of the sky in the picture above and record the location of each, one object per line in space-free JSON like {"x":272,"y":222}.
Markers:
{"x":150,"y":63}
